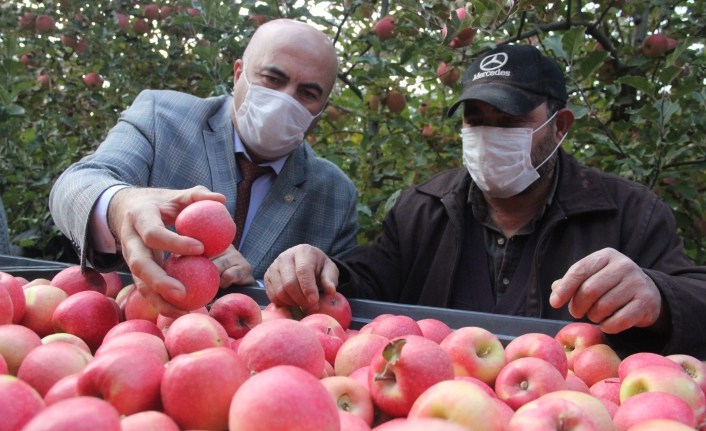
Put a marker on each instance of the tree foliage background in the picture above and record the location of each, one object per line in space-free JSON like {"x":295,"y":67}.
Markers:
{"x":639,"y":117}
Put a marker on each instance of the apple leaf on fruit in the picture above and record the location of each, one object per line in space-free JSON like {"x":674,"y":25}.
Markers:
{"x":393,"y":351}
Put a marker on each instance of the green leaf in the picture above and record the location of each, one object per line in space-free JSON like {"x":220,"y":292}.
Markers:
{"x":554,"y":44}
{"x":640,"y":83}
{"x":393,"y":351}
{"x":592,"y":61}
{"x":364,"y":209}
{"x":579,"y":111}
{"x":667,"y":75}
{"x":572,"y":41}
{"x":671,"y":109}
{"x":15,"y":110}
{"x":392,"y":200}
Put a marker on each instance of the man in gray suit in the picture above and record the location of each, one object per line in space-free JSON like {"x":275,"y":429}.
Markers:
{"x":170,"y":149}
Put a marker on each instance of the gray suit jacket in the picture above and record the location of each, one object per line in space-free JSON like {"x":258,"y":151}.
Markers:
{"x":173,"y":140}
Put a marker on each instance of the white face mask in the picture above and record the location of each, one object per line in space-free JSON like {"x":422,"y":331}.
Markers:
{"x":270,"y":122}
{"x":499,"y":159}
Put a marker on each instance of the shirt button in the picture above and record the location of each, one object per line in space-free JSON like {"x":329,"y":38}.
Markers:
{"x":506,"y":281}
{"x":289,"y":198}
{"x":501,"y":241}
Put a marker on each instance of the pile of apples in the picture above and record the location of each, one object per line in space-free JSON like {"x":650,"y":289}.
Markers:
{"x":83,"y":352}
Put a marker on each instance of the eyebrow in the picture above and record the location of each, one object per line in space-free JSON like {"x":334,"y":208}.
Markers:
{"x":310,"y":85}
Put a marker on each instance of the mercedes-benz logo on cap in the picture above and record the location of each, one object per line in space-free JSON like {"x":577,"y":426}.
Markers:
{"x":494,"y":61}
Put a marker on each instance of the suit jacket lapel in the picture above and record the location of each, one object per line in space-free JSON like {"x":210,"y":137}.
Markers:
{"x":220,"y":147}
{"x":280,"y":204}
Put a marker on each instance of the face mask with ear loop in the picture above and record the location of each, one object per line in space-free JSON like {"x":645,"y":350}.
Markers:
{"x":499,"y":159}
{"x":270,"y":122}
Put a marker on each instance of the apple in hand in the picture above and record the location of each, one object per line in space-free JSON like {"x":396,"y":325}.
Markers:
{"x":475,"y":352}
{"x":652,"y":405}
{"x":197,"y":388}
{"x":283,"y":398}
{"x":350,"y":396}
{"x":199,"y":276}
{"x":540,"y":346}
{"x":576,"y":337}
{"x":403,"y":369}
{"x":72,"y":280}
{"x":19,"y":403}
{"x":337,"y":306}
{"x":526,"y":379}
{"x":208,"y":222}
{"x":76,"y":414}
{"x":237,"y":313}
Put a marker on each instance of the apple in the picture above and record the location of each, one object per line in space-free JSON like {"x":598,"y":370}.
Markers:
{"x":608,"y":389}
{"x":41,"y":302}
{"x":361,"y":375}
{"x":140,"y":340}
{"x":652,"y":405}
{"x":89,"y":315}
{"x":151,"y":12}
{"x":135,"y":325}
{"x":447,"y":74}
{"x":328,"y":371}
{"x":595,"y":409}
{"x":13,"y":287}
{"x":434,"y":329}
{"x":658,"y":378}
{"x":397,"y":326}
{"x":164,"y":322}
{"x":655,"y":45}
{"x":336,"y":305}
{"x":193,"y":12}
{"x":463,"y":37}
{"x":64,"y":337}
{"x":122,"y":296}
{"x":596,"y":363}
{"x":526,"y":379}
{"x":350,"y":396}
{"x":475,"y":352}
{"x":287,"y":311}
{"x":123,"y":22}
{"x":210,"y":223}
{"x":660,"y":425}
{"x":352,"y":332}
{"x":7,"y":310}
{"x":44,"y":23}
{"x":193,"y":332}
{"x":26,"y":21}
{"x":357,"y":352}
{"x":76,"y":414}
{"x":16,"y":342}
{"x":540,"y":346}
{"x":37,"y":282}
{"x":328,"y":322}
{"x":113,"y":282}
{"x":283,"y":398}
{"x":643,"y":359}
{"x":576,"y":337}
{"x":549,"y":414}
{"x":282,"y":342}
{"x":403,"y":369}
{"x":257,"y":20}
{"x":487,"y":389}
{"x":93,"y":80}
{"x":237,"y":313}
{"x":396,"y":102}
{"x":420,"y":424}
{"x":329,"y":342}
{"x":165,"y":12}
{"x":3,"y":366}
{"x":150,"y":420}
{"x":64,"y":388}
{"x":385,"y":28}
{"x":693,"y":367}
{"x":574,"y":383}
{"x":199,"y":276}
{"x":351,"y":422}
{"x":334,"y":114}
{"x":19,"y":403}
{"x":459,"y":402}
{"x":72,"y":280}
{"x":22,"y":280}
{"x":137,"y":306}
{"x":268,"y":315}
{"x":374,"y":102}
{"x":81,"y":47}
{"x":428,"y":131}
{"x":64,"y":358}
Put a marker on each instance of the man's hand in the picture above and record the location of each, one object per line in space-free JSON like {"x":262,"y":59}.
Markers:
{"x":138,"y":218}
{"x":296,"y":276}
{"x":611,"y":290}
{"x":234,"y":269}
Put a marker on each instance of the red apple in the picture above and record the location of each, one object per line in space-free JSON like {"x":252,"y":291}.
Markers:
{"x":123,"y":22}
{"x":652,"y":405}
{"x":329,"y":342}
{"x":447,"y":74}
{"x":26,"y":21}
{"x":644,"y":359}
{"x":7,"y":311}
{"x":93,"y":80}
{"x":68,"y":41}
{"x":193,"y":12}
{"x":459,"y":402}
{"x":574,"y":383}
{"x":361,"y":376}
{"x":526,"y":379}
{"x":64,"y":337}
{"x":210,"y":223}
{"x":81,"y":47}
{"x":434,"y":329}
{"x":608,"y":389}
{"x":3,"y":366}
{"x":487,"y":389}
{"x":660,"y":425}
{"x":37,"y":282}
{"x":64,"y":358}
{"x":331,"y":324}
{"x":420,"y":424}
{"x":16,"y":293}
{"x":19,"y":403}
{"x":540,"y":346}
{"x":672,"y":43}
{"x":595,"y":409}
{"x":72,"y":280}
{"x":199,"y":276}
{"x":237,"y":313}
{"x":150,"y":420}
{"x":63,"y":389}
{"x":283,"y":398}
{"x":350,"y":396}
{"x":76,"y":414}
{"x":693,"y":367}
{"x":41,"y":302}
{"x":549,"y":414}
{"x":137,"y":306}
{"x":282,"y":342}
{"x":464,"y":37}
{"x":596,"y":363}
{"x":658,"y":378}
{"x":140,"y":26}
{"x":257,"y":20}
{"x":577,"y":336}
{"x":89,"y":315}
{"x":22,"y":280}
{"x":397,"y":326}
{"x":15,"y":344}
{"x":357,"y":352}
{"x":475,"y":352}
{"x":151,"y":12}
{"x":114,"y":284}
{"x":286,"y":311}
{"x":164,"y":322}
{"x":385,"y":28}
{"x":140,"y":340}
{"x":655,"y":45}
{"x":402,"y":370}
{"x":165,"y":12}
{"x":193,"y":332}
{"x":44,"y":23}
{"x":351,"y":422}
{"x":136,"y":325}
{"x":396,"y":102}
{"x":336,"y":305}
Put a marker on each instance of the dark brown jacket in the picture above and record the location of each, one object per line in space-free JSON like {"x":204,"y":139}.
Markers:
{"x":415,"y":259}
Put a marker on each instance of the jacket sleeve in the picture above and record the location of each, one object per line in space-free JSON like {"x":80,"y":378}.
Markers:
{"x":346,"y":240}
{"x":124,"y":157}
{"x":681,"y":284}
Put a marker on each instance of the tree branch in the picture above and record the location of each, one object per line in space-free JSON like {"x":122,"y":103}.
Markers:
{"x":353,"y":88}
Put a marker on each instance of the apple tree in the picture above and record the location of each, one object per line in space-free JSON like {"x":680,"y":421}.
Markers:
{"x":634,"y":70}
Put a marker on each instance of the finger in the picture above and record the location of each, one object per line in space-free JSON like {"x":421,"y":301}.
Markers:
{"x":163,"y":307}
{"x":329,"y":277}
{"x":624,"y":318}
{"x":273,"y":283}
{"x":156,"y":236}
{"x":143,"y":266}
{"x":282,"y":279}
{"x":593,"y":289}
{"x":238,"y":276}
{"x":564,"y":289}
{"x":306,"y":272}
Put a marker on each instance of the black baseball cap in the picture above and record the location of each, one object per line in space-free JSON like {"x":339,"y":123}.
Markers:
{"x":513,"y":78}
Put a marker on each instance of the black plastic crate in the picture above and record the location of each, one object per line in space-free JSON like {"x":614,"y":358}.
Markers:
{"x":49,"y":273}
{"x":8,"y":262}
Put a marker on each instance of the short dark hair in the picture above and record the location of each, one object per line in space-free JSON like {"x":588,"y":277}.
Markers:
{"x":554,"y":105}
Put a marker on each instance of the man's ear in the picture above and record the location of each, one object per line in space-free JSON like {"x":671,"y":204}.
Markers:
{"x":237,"y":70}
{"x":564,"y":121}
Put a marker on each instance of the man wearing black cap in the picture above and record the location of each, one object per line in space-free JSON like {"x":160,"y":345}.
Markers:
{"x":522,"y":229}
